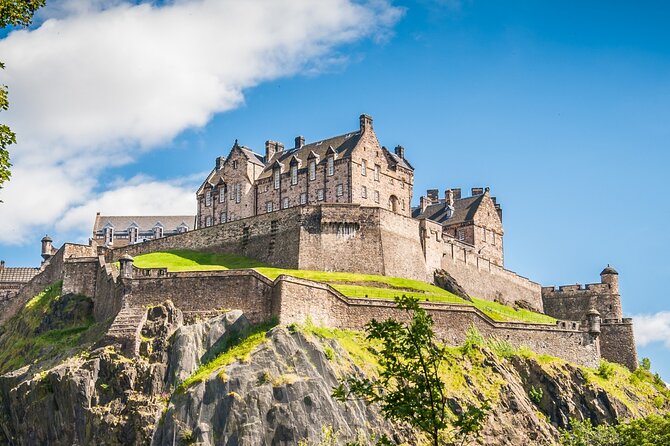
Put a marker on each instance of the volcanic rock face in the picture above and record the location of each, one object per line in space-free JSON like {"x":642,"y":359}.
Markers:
{"x":276,"y":393}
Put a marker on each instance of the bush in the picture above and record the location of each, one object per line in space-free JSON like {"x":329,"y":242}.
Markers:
{"x":582,"y":433}
{"x":645,"y":364}
{"x":606,"y":369}
{"x":535,"y":394}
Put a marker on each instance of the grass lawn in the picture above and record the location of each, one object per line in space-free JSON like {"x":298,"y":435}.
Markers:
{"x":350,"y":284}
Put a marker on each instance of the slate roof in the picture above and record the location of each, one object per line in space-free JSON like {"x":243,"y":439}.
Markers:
{"x":17,"y":275}
{"x":400,"y":161}
{"x":253,"y":157}
{"x":121,"y":223}
{"x":343,"y":146}
{"x":464,"y":211}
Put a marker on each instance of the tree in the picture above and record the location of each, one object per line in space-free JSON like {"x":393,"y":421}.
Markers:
{"x":12,"y":13}
{"x":409,"y":388}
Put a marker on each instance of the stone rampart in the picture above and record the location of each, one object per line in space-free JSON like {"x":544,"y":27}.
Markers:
{"x":574,"y":301}
{"x":484,"y":279}
{"x":617,"y":342}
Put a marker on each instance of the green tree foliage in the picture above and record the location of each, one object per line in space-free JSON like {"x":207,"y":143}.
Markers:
{"x":12,"y":13}
{"x":409,"y":388}
{"x":653,"y":430}
{"x":645,"y":363}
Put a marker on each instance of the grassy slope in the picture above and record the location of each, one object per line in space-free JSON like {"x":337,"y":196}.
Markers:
{"x":22,"y":342}
{"x":349,"y":284}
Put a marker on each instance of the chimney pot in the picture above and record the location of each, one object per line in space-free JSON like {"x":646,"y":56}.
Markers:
{"x":457,"y":193}
{"x":299,"y":141}
{"x":477,"y":191}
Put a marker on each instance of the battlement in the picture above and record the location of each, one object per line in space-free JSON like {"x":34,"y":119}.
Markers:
{"x":556,"y":292}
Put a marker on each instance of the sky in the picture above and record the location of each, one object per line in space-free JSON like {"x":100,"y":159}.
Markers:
{"x":560,"y":107}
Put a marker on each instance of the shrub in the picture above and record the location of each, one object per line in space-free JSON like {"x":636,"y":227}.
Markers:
{"x":329,"y":352}
{"x":535,"y":394}
{"x":606,"y":369}
{"x":645,"y":363}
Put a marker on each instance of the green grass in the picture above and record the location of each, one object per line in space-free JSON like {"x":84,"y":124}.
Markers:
{"x":349,"y":284}
{"x":237,"y":348}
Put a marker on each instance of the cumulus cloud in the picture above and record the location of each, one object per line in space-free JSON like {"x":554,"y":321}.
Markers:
{"x":652,"y":328}
{"x":99,"y":82}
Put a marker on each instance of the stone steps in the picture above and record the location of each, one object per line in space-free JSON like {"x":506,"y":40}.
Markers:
{"x":126,"y":328}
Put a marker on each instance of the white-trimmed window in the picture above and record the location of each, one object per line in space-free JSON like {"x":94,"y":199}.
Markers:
{"x":133,"y":234}
{"x":377,"y":168}
{"x":284,"y":203}
{"x":312,"y":170}
{"x":460,"y":234}
{"x":319,"y":195}
{"x":222,"y":194}
{"x":364,"y":168}
{"x":158,"y":231}
{"x":268,"y":206}
{"x":109,"y":235}
{"x":484,"y":234}
{"x":208,"y":221}
{"x":294,"y":174}
{"x":277,"y":174}
{"x":208,"y":198}
{"x":238,"y":193}
{"x":339,"y":190}
{"x":364,"y":192}
{"x":376,"y":196}
{"x":224,"y":217}
{"x":331,"y":166}
{"x":303,"y":198}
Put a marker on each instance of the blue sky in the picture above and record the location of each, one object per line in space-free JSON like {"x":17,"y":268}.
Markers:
{"x":560,"y":107}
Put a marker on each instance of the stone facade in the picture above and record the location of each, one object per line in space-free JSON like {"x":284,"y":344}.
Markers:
{"x":351,"y":168}
{"x":115,"y":231}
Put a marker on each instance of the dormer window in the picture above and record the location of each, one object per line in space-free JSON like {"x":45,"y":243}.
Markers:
{"x":312,"y":170}
{"x":158,"y":231}
{"x":109,"y":235}
{"x":294,"y":174}
{"x":208,"y":198}
{"x":460,"y":235}
{"x":331,"y":165}
{"x":277,"y":176}
{"x":133,"y":234}
{"x":222,"y":193}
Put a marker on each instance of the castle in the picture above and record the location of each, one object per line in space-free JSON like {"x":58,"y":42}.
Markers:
{"x":340,"y":204}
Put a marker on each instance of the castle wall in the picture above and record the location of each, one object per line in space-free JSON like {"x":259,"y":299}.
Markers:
{"x":109,"y":292}
{"x":79,"y":276}
{"x":301,"y":300}
{"x":617,"y":342}
{"x":401,"y":247}
{"x":574,"y":301}
{"x":484,"y":279}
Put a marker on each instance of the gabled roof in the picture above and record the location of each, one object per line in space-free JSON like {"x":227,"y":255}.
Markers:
{"x":17,"y":275}
{"x":402,"y":162}
{"x":145,"y":223}
{"x":343,"y":145}
{"x":252,"y":156}
{"x":464,"y":211}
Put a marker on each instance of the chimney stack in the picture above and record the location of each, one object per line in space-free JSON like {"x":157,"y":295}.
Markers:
{"x":2,"y":265}
{"x":449,"y":197}
{"x":400,"y":151}
{"x":457,"y":193}
{"x":366,"y":122}
{"x":299,"y":141}
{"x":219,"y":162}
{"x":433,"y":195}
{"x":477,"y":191}
{"x":272,"y":148}
{"x":423,"y":203}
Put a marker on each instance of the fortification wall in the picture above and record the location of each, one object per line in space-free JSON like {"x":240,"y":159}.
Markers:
{"x":196,"y":292}
{"x":300,"y":300}
{"x":574,"y":301}
{"x":484,"y":279}
{"x":401,"y":247}
{"x":109,"y":292}
{"x":617,"y":342}
{"x":79,"y":276}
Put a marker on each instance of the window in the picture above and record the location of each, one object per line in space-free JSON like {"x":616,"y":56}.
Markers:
{"x":284,"y":203}
{"x":223,"y":217}
{"x":402,"y":184}
{"x":303,"y":198}
{"x":319,"y":195}
{"x":364,"y":168}
{"x":376,"y":196}
{"x":339,"y":190}
{"x":238,"y":193}
{"x":158,"y":231}
{"x":277,"y":178}
{"x":312,"y":170}
{"x":109,"y":236}
{"x":484,"y":234}
{"x":235,"y":164}
{"x":208,"y":198}
{"x":268,"y":206}
{"x":377,"y":172}
{"x":133,"y":232}
{"x":182,"y":228}
{"x":403,"y":204}
{"x":493,"y":235}
{"x":208,"y":221}
{"x":222,"y":194}
{"x":331,"y":166}
{"x":460,"y":234}
{"x":364,"y":192}
{"x":294,"y":175}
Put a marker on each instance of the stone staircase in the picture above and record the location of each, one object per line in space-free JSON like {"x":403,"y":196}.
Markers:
{"x":125,"y":330}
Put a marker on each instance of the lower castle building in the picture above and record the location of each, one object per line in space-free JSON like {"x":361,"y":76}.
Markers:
{"x":340,"y":204}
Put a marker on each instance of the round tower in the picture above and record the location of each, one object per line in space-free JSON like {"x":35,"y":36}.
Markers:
{"x":47,"y":248}
{"x":611,"y":277}
{"x":126,"y":264}
{"x":611,"y":302}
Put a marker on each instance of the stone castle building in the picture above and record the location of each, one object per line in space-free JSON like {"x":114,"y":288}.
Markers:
{"x":339,"y":204}
{"x":350,"y":168}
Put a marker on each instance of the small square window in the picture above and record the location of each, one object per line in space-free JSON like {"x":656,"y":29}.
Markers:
{"x":319,"y":195}
{"x":223,"y":217}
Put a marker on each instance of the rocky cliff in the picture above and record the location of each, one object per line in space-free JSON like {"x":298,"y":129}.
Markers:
{"x":223,"y":381}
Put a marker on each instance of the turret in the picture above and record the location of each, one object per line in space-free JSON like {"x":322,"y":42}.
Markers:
{"x":611,"y":277}
{"x":47,"y":248}
{"x":593,"y":319}
{"x":126,"y":262}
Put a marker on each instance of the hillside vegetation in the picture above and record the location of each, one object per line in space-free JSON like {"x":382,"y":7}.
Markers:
{"x":349,"y":284}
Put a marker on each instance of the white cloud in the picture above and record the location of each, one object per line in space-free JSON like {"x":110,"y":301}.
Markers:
{"x":652,"y":328}
{"x":100,"y":81}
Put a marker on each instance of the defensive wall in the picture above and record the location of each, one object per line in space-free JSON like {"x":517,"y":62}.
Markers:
{"x":352,"y":238}
{"x":573,"y":302}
